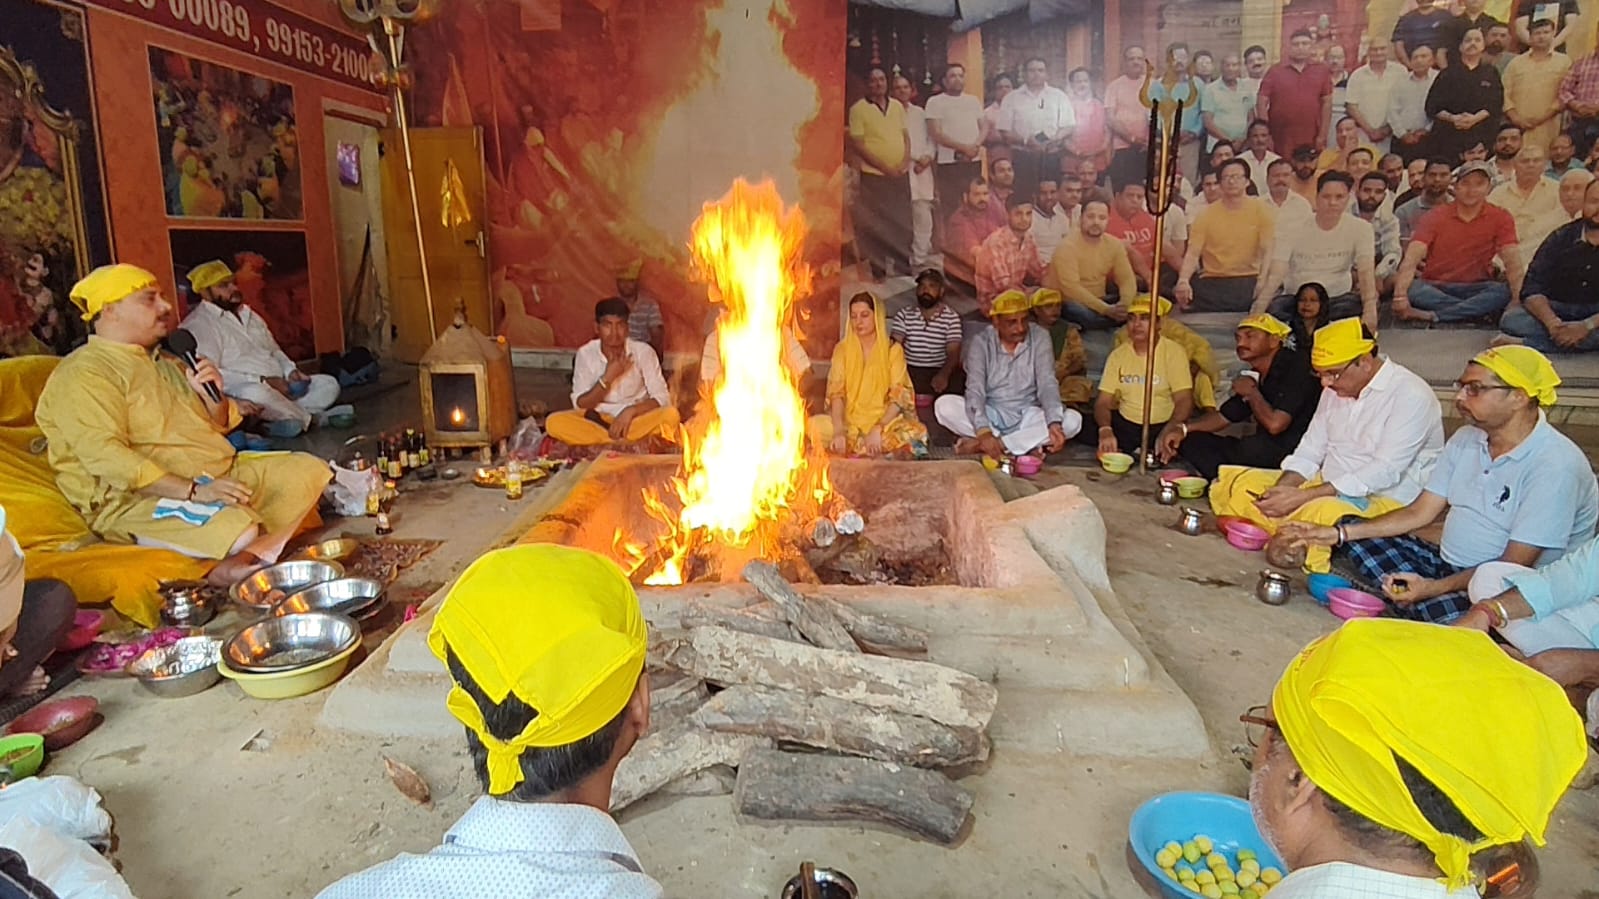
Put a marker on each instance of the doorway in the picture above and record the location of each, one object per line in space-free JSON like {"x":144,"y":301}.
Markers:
{"x":352,"y":144}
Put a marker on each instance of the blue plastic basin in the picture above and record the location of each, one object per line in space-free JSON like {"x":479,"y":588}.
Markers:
{"x":1179,"y":817}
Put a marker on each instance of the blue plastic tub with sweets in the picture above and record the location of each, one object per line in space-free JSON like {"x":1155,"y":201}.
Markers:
{"x":1179,"y":817}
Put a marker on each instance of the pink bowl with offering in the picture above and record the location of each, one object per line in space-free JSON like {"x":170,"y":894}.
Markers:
{"x":85,"y":627}
{"x":1347,"y":602}
{"x":1027,"y":466}
{"x":1247,"y":536}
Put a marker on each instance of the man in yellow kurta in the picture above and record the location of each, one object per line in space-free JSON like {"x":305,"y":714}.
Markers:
{"x":1369,"y":449}
{"x":138,"y":446}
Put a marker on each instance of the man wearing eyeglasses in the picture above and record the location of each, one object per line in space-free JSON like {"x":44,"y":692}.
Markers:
{"x":1394,"y":755}
{"x":1368,"y":451}
{"x":1515,"y":489}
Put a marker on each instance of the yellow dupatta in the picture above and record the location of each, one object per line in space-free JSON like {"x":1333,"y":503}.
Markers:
{"x":869,"y":381}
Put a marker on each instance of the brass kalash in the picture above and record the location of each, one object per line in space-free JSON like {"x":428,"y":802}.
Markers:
{"x":468,"y":395}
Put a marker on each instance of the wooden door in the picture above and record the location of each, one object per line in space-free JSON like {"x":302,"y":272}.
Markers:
{"x":457,"y":255}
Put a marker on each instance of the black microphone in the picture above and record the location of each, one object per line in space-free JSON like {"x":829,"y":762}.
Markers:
{"x":182,"y":344}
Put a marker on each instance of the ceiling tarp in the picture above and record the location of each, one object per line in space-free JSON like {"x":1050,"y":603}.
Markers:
{"x":943,"y":9}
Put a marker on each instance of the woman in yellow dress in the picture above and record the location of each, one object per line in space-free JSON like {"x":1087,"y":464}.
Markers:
{"x":871,"y":404}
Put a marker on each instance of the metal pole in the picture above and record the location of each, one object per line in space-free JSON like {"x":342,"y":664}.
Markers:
{"x":1157,"y":199}
{"x":393,"y":29}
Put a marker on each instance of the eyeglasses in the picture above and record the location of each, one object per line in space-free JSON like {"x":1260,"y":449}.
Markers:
{"x":1257,"y":725}
{"x":1330,"y":377}
{"x":1475,"y":389}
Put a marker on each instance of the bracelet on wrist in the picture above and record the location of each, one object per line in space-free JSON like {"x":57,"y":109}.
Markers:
{"x":193,"y":486}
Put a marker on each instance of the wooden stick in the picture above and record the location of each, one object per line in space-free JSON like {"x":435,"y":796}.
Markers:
{"x":814,"y":622}
{"x":670,"y":754}
{"x":787,"y":786}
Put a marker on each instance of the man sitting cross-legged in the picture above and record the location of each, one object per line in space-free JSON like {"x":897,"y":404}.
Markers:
{"x":544,"y":646}
{"x":254,"y":368}
{"x":1119,"y":410}
{"x":1331,"y":248}
{"x":1459,"y":242}
{"x":1232,"y":240}
{"x":138,"y":445}
{"x":1561,"y":311}
{"x":1278,"y":393}
{"x":1368,"y":450}
{"x":1087,"y":266}
{"x":1012,"y":403}
{"x":1516,"y":490}
{"x":618,"y":394}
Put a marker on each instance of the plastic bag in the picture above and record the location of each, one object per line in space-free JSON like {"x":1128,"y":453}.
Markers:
{"x":62,"y":804}
{"x":525,"y":442}
{"x":71,"y":868}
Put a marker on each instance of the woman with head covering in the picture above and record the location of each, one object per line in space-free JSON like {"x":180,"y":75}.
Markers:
{"x":871,"y":403}
{"x":1364,"y":791}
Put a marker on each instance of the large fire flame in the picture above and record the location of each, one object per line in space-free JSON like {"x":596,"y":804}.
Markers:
{"x":745,"y":480}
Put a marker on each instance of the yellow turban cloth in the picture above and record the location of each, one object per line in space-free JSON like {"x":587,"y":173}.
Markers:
{"x":1141,"y":306}
{"x":1499,"y":739}
{"x":1268,"y":324}
{"x":209,"y":274}
{"x":1010,"y":302}
{"x":558,"y":627}
{"x":1044,"y":296}
{"x":1339,"y":342}
{"x":109,"y":284}
{"x":1523,"y":368}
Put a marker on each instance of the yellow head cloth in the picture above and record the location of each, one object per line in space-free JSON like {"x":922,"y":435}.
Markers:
{"x":630,"y":271}
{"x":1140,"y":306}
{"x":109,"y":284}
{"x":1339,"y":342}
{"x":209,"y":274}
{"x":1523,"y":368}
{"x":1268,"y":324}
{"x":560,"y":628}
{"x":1044,"y":296}
{"x":191,"y":166}
{"x":1010,"y":302}
{"x":1497,"y":738}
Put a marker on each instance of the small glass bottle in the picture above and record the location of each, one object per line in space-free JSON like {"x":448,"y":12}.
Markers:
{"x":384,"y":527}
{"x":513,"y":479}
{"x":383,"y":456}
{"x":424,"y":451}
{"x":413,"y":449}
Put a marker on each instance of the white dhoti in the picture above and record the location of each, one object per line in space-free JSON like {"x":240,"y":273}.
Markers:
{"x":1030,"y":434}
{"x":322,"y":391}
{"x":1568,"y":628}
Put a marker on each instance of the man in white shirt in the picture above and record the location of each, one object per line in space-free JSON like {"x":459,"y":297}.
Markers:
{"x":1227,"y":105}
{"x":556,"y":633}
{"x":254,"y":368}
{"x":957,"y":126}
{"x":1407,"y":106}
{"x":920,"y":175}
{"x":1290,"y":207}
{"x":1051,"y":223}
{"x":1331,"y":248}
{"x":1369,"y":449}
{"x":618,"y":394}
{"x":1369,"y":96}
{"x":1258,"y":153}
{"x":1035,"y":120}
{"x":1392,"y":751}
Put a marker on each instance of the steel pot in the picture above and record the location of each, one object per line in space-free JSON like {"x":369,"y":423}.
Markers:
{"x":1273,"y":589}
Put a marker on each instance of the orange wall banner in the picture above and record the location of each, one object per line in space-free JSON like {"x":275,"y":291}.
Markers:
{"x":261,"y":29}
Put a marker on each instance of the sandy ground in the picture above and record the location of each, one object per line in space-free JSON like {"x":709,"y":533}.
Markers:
{"x":219,"y":795}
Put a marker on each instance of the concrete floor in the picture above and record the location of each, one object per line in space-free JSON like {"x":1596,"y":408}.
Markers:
{"x":220,"y":795}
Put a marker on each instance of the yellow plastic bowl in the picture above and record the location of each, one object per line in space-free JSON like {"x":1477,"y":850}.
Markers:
{"x":289,"y":684}
{"x":1191,"y":488}
{"x":1116,"y":463}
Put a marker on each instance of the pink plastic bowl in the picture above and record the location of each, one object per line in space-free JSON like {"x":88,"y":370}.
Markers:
{"x":1347,"y":602}
{"x":85,"y":627}
{"x":1172,"y":474}
{"x":1028,"y":465}
{"x":1247,"y":536}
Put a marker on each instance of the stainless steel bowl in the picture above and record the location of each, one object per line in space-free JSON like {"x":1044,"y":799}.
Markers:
{"x":830,"y":884}
{"x":185,"y":668}
{"x":356,"y":597}
{"x":336,"y":550}
{"x":290,"y":642}
{"x":261,"y":590}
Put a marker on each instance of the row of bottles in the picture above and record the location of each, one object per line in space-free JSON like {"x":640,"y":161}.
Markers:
{"x":399,"y":453}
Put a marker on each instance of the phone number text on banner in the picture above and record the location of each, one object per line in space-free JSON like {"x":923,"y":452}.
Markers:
{"x":263,"y":30}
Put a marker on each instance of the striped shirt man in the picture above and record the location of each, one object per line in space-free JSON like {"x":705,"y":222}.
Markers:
{"x":926,"y":341}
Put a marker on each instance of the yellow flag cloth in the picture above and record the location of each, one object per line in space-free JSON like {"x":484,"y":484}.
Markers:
{"x":1523,"y":368}
{"x":453,"y":209}
{"x":1010,"y":302}
{"x":560,"y":628}
{"x":1499,"y":739}
{"x":1268,"y":324}
{"x":209,"y":274}
{"x":109,"y":284}
{"x":1044,"y":296}
{"x":1339,"y":342}
{"x":1140,"y":306}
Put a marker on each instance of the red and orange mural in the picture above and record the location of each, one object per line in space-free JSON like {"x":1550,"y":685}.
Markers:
{"x":607,"y":126}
